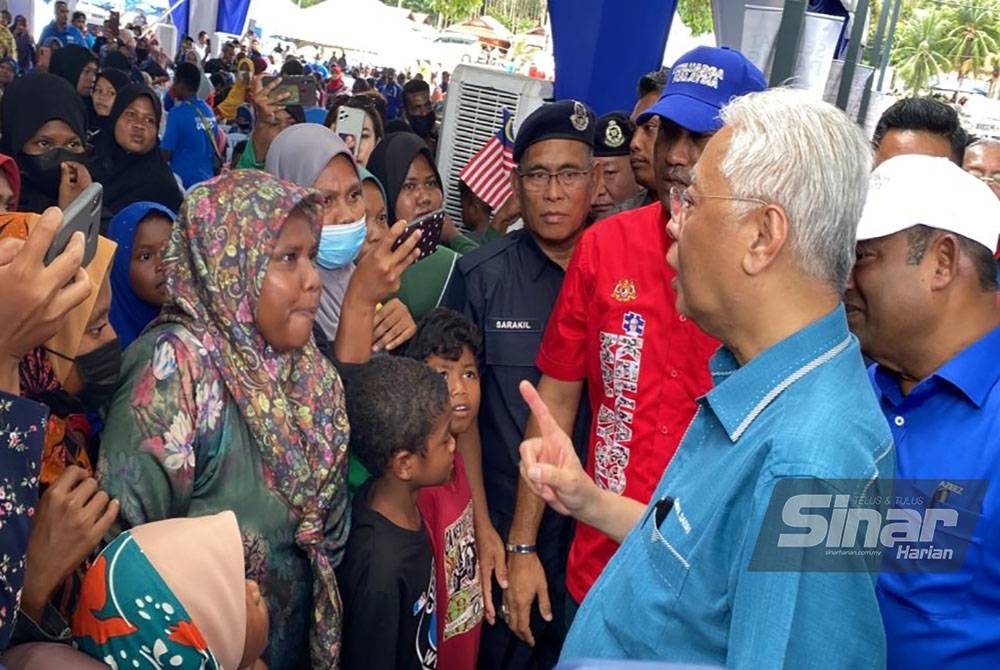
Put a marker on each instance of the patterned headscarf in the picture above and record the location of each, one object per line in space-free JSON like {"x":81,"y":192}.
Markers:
{"x":141,"y":604}
{"x":293,"y":402}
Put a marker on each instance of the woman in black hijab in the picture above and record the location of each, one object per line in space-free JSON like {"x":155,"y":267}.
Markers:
{"x":127,"y":158}
{"x":405,"y":167}
{"x":106,"y":88}
{"x":43,"y":128}
{"x":78,"y":66}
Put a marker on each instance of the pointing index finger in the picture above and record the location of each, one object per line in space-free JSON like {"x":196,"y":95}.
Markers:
{"x":546,"y":422}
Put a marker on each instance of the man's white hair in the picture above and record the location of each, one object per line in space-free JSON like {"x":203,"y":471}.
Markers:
{"x":789,"y":149}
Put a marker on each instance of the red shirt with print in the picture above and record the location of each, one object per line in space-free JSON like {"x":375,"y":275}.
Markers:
{"x":447,"y":513}
{"x":615,"y":325}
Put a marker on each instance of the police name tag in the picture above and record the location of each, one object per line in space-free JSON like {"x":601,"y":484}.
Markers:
{"x":513,"y":325}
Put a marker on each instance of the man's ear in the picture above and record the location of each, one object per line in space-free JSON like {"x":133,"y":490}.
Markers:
{"x":768,"y":234}
{"x":944,"y":255}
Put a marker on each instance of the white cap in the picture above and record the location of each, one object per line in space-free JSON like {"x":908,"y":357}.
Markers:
{"x":914,"y":189}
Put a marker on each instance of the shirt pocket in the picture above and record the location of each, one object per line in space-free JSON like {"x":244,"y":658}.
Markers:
{"x":512,"y":348}
{"x":667,"y":550}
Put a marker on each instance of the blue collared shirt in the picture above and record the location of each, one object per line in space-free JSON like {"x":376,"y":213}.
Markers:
{"x":948,"y":429}
{"x":681,"y":591}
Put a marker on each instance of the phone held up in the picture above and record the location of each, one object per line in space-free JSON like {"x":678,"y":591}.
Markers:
{"x":84,"y":215}
{"x":430,"y":226}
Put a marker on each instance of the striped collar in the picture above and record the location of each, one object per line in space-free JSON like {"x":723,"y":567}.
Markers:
{"x":741,"y":394}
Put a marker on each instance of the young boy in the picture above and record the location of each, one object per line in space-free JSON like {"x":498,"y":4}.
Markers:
{"x":400,"y":416}
{"x":448,"y":343}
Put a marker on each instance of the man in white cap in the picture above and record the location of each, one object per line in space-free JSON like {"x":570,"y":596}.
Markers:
{"x":921,"y":301}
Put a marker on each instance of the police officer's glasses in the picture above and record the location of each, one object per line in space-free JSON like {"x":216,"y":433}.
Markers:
{"x":539,"y":180}
{"x":681,"y":201}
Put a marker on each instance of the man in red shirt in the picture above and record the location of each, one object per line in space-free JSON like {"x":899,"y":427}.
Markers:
{"x":615,"y":327}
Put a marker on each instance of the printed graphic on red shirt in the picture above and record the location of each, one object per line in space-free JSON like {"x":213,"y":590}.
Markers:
{"x":461,"y":569}
{"x":621,"y":360}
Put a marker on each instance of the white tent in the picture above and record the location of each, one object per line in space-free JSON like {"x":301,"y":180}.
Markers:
{"x":362,"y":25}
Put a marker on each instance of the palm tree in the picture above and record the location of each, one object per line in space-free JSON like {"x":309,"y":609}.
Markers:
{"x":974,"y":35}
{"x":923,"y":50}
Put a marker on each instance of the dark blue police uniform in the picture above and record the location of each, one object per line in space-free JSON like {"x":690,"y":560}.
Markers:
{"x":508,"y":289}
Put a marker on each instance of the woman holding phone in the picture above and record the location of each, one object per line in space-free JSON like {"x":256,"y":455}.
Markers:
{"x":403,"y":164}
{"x":371,"y":129}
{"x":312,"y":155}
{"x":43,"y":129}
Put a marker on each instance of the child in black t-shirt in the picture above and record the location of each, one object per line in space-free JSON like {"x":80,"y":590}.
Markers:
{"x":400,"y":415}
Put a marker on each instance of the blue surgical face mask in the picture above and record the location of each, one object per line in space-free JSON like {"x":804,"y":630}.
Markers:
{"x":340,"y":244}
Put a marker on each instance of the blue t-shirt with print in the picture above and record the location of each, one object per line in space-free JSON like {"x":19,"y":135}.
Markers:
{"x":188,"y":140}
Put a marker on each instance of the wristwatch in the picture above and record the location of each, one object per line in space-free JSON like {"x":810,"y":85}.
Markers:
{"x":521,"y":549}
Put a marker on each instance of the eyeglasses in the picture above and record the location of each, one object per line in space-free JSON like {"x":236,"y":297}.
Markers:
{"x":681,"y":201}
{"x":992,"y":178}
{"x":539,"y":180}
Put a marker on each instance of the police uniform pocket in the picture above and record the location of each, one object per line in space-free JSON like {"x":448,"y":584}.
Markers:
{"x":512,"y":342}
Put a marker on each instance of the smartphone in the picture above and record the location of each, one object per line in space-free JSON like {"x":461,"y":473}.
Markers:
{"x":301,"y":89}
{"x":83,"y":214}
{"x":351,"y":123}
{"x":114,"y":23}
{"x":431,"y":225}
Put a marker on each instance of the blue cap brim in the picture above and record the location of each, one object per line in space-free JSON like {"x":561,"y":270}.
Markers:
{"x":686,"y":111}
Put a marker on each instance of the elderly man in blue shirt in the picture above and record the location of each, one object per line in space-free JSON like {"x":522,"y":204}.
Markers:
{"x":765,"y":243}
{"x":922,"y":303}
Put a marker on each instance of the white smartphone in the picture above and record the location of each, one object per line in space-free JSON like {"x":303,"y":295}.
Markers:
{"x":351,"y":123}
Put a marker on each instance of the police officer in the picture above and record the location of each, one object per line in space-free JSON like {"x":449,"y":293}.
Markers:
{"x":508,"y":289}
{"x":619,"y":190}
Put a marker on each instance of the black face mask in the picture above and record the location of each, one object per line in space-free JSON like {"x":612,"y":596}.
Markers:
{"x":99,"y":370}
{"x":140,"y":54}
{"x":45,"y":171}
{"x":423,"y":125}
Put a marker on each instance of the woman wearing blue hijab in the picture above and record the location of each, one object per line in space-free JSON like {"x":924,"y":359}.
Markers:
{"x":138,"y":286}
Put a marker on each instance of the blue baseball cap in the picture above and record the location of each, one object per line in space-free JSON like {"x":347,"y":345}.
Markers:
{"x":701,"y":83}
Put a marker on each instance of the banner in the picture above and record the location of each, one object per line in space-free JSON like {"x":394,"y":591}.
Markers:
{"x":232,"y":16}
{"x":603,"y":47}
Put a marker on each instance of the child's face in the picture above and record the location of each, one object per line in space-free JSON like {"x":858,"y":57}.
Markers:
{"x":434,"y":466}
{"x":463,"y":387}
{"x":146,"y":267}
{"x":258,"y":624}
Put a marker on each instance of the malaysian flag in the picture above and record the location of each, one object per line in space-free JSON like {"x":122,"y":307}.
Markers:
{"x":488,"y":172}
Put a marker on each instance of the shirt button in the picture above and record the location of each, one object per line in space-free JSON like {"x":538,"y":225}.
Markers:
{"x":899,"y":421}
{"x":673,"y":373}
{"x":664,"y":430}
{"x":683,"y":318}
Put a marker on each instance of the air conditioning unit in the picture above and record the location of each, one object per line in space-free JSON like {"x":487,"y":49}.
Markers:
{"x":166,"y":35}
{"x":473,"y":113}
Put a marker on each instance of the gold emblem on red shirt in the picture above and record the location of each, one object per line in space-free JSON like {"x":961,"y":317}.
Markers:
{"x":624,"y":291}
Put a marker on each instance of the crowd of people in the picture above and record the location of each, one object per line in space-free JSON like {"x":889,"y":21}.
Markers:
{"x":261,"y":422}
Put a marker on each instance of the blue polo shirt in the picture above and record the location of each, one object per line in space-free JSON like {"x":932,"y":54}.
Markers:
{"x":69,"y":35}
{"x":948,"y":429}
{"x":679,"y":589}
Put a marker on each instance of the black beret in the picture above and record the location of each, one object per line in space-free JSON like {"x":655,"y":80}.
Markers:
{"x":613,"y":135}
{"x":562,"y":120}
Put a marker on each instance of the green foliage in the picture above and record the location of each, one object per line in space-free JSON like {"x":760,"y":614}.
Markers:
{"x":455,"y":10}
{"x":923,"y":50}
{"x":935,"y":38}
{"x":696,"y":15}
{"x":974,"y":35}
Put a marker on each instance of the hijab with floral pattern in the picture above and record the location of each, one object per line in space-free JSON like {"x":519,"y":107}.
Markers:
{"x":293,"y":402}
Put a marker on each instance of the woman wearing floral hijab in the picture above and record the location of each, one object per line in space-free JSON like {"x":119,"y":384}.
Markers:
{"x":226,"y":403}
